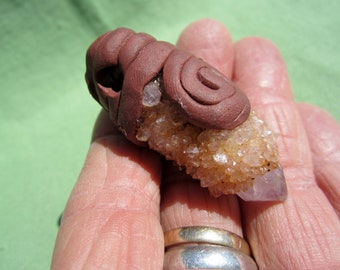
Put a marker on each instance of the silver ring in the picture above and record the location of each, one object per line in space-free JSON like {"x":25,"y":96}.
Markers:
{"x":207,"y":257}
{"x":202,"y":234}
{"x":199,"y":247}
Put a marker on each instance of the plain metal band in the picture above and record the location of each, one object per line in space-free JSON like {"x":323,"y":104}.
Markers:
{"x":207,"y":235}
{"x":207,"y":257}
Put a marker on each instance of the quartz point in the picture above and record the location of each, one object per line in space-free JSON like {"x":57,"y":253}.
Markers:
{"x":151,"y":94}
{"x":268,"y":187}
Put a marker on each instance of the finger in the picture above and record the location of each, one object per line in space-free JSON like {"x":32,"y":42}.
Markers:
{"x":184,"y":202}
{"x":301,"y":232}
{"x":323,"y":132}
{"x":260,"y":71}
{"x":103,"y":126}
{"x":113,"y":211}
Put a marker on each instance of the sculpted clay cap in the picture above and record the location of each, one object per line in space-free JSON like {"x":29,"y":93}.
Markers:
{"x":120,"y":63}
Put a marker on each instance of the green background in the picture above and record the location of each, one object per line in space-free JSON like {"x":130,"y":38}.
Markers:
{"x":46,"y":113}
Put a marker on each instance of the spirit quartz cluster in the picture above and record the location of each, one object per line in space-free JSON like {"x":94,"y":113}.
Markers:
{"x":181,"y":107}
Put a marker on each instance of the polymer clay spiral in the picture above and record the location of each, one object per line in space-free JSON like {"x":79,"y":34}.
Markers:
{"x":121,"y":63}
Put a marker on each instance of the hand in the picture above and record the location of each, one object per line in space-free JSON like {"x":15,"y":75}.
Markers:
{"x":120,"y":206}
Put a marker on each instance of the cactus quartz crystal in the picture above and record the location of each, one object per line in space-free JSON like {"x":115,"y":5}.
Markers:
{"x":178,"y":105}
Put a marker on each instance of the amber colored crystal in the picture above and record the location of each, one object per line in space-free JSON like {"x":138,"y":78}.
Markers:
{"x":225,"y":161}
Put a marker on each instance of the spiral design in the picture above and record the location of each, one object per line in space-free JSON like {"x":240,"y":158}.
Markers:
{"x":206,"y":97}
{"x":121,"y":63}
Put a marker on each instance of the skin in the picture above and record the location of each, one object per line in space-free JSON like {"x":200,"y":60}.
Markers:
{"x":125,"y":196}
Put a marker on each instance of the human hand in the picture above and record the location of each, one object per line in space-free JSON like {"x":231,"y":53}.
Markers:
{"x":126,"y":197}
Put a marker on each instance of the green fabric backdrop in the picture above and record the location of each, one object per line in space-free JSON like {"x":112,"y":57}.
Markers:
{"x":46,"y":113}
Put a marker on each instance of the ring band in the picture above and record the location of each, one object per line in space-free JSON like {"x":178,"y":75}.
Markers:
{"x":207,"y":235}
{"x":207,"y":257}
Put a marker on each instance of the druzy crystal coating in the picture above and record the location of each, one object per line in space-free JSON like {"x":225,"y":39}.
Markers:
{"x":225,"y":161}
{"x":176,"y":104}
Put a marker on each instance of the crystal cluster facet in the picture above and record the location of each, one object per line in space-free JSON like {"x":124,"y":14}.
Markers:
{"x":225,"y":161}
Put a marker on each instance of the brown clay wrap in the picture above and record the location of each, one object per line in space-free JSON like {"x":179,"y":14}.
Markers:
{"x":120,"y":63}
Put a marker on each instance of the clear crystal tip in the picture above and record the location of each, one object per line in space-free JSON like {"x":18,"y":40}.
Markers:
{"x":268,"y":187}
